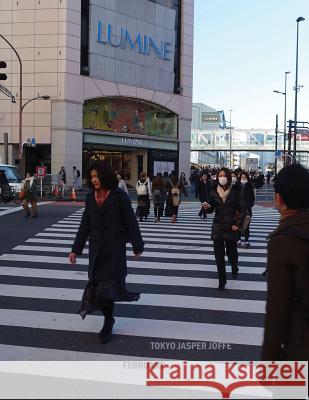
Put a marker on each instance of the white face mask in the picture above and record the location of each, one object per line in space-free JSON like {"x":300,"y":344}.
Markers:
{"x":244,"y":181}
{"x":234,"y":180}
{"x":222,"y":180}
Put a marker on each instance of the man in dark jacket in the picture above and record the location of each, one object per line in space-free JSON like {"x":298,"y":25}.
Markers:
{"x":286,"y":334}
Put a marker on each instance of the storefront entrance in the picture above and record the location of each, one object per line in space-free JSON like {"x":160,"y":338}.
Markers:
{"x":119,"y":160}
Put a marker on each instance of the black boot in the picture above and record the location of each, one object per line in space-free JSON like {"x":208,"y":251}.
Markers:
{"x":235,"y":272}
{"x":106,"y":332}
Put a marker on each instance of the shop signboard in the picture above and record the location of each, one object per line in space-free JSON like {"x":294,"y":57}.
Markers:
{"x":136,"y":49}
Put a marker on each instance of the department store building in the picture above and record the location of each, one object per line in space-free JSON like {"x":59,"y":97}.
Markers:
{"x":119,"y":75}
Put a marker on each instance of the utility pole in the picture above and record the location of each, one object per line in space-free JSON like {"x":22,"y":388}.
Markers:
{"x":276,"y":144}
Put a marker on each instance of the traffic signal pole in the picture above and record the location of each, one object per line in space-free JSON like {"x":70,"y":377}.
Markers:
{"x":20,"y":121}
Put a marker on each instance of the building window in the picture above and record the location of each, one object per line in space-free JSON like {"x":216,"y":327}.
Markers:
{"x":123,"y":115}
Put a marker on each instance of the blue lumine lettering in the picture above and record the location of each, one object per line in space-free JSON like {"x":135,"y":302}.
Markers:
{"x":142,"y":44}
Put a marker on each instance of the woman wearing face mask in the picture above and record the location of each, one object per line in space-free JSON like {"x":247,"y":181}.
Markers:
{"x":247,"y":190}
{"x":230,"y":209}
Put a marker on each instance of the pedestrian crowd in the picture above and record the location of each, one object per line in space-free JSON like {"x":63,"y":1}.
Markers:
{"x":109,"y":222}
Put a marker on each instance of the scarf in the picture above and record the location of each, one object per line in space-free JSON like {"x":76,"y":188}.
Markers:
{"x":223,"y":193}
{"x":101,"y":196}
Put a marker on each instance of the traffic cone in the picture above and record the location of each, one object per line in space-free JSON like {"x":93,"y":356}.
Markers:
{"x":56,"y":192}
{"x":73,"y":195}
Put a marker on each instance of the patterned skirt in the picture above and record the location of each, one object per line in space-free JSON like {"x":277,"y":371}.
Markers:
{"x":95,"y":295}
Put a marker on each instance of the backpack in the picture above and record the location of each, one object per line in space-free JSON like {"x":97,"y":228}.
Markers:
{"x":142,"y":188}
{"x":175,"y":194}
{"x":78,"y":173}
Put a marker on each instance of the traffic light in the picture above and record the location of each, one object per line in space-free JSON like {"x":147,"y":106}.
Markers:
{"x":3,"y":77}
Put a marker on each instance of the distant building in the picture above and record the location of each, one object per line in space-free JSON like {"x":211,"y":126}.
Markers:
{"x":205,"y":118}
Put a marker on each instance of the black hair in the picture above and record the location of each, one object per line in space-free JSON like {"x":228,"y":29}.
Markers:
{"x":227,"y":174}
{"x":106,"y":175}
{"x":165,"y":174}
{"x":292,"y":183}
{"x":246,"y":175}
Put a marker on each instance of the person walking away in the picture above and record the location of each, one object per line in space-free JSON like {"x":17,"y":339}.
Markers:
{"x":230,"y":209}
{"x":62,"y":180}
{"x":286,"y":334}
{"x":76,"y":178}
{"x":108,"y":222}
{"x":158,"y":196}
{"x":30,"y":196}
{"x":183,"y":179}
{"x":175,"y":190}
{"x":247,"y":190}
{"x":204,"y":189}
{"x":121,"y":184}
{"x":143,"y":196}
{"x":167,"y":210}
{"x":268,"y":176}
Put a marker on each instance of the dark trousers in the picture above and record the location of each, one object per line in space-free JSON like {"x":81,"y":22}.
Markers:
{"x":107,"y":308}
{"x":158,"y":211}
{"x":246,"y":234}
{"x":220,"y":247}
{"x":175,"y":210}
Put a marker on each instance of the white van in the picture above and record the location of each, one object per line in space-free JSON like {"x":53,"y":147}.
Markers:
{"x":12,"y":176}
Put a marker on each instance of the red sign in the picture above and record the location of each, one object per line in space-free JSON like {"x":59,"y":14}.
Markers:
{"x":40,"y":172}
{"x":304,"y":137}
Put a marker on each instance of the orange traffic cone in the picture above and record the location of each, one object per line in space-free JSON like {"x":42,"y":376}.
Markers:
{"x":56,"y":192}
{"x":73,"y":195}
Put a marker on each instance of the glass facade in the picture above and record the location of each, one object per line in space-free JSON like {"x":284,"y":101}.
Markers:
{"x":123,"y":115}
{"x":119,"y":160}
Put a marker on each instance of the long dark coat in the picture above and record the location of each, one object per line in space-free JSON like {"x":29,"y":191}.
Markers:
{"x":232,"y":212}
{"x":108,"y":228}
{"x":204,"y":189}
{"x":248,"y":192}
{"x":286,"y":335}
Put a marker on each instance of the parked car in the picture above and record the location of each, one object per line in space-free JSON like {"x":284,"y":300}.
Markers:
{"x":12,"y":176}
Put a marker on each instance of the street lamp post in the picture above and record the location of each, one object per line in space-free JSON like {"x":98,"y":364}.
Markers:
{"x":284,"y":125}
{"x":21,"y":150}
{"x":21,"y":106}
{"x":20,"y":121}
{"x":296,"y":88}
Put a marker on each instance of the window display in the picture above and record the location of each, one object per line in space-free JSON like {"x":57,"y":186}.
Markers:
{"x":123,"y":115}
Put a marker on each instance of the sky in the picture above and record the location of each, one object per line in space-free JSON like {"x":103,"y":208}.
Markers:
{"x":242,"y":49}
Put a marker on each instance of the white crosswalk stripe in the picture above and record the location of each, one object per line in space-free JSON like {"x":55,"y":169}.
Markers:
{"x":176,"y":275}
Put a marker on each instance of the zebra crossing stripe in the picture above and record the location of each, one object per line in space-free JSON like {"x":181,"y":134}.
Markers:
{"x":147,"y":299}
{"x":151,"y":328}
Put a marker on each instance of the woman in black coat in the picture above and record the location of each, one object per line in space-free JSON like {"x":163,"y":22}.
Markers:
{"x":230,"y":209}
{"x":204,"y":188}
{"x":109,"y":222}
{"x":247,"y":190}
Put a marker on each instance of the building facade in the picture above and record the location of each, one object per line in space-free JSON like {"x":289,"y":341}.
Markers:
{"x":119,"y":75}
